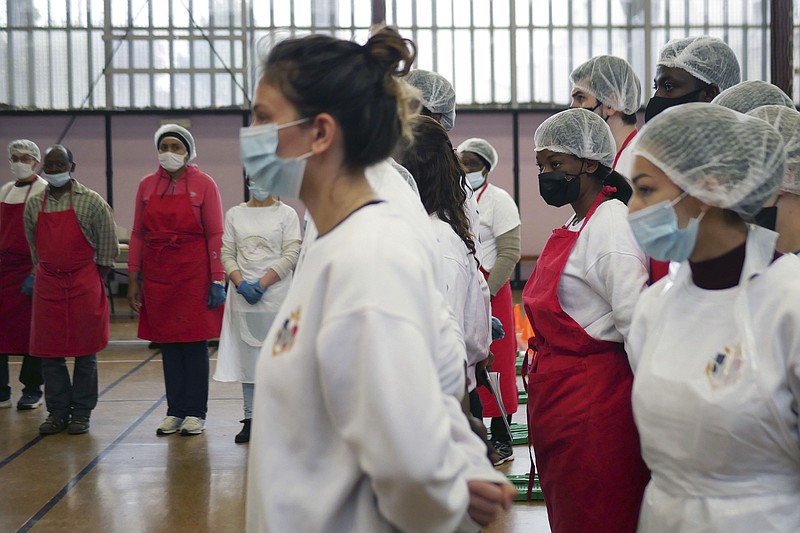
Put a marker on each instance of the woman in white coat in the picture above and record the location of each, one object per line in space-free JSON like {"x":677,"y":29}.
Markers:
{"x":350,"y":352}
{"x":260,"y":246}
{"x":439,"y":174}
{"x":715,"y":346}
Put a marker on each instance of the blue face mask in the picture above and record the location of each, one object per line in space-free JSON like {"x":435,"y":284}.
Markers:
{"x":657,"y":232}
{"x":476,"y":180}
{"x":269,"y":173}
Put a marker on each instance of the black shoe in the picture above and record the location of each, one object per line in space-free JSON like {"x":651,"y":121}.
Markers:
{"x":505,"y":452}
{"x":153,"y":346}
{"x":52,"y":425}
{"x":29,"y":401}
{"x":244,"y":434}
{"x":78,"y":425}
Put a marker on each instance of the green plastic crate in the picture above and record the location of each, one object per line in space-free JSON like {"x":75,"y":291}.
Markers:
{"x":522,"y":396}
{"x":519,"y":434}
{"x":520,"y":481}
{"x":520,"y":360}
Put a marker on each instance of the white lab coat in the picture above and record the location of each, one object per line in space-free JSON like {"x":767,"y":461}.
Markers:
{"x":391,"y":187}
{"x":604,"y":275}
{"x":257,"y":237}
{"x":498,"y":215}
{"x":715,"y":395}
{"x":465,"y":289}
{"x":348,"y":406}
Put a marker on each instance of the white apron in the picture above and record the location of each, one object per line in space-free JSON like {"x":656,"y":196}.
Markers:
{"x":722,"y":455}
{"x":244,"y":326}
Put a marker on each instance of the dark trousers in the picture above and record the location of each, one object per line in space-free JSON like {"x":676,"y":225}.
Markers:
{"x":186,"y":370}
{"x":30,"y":375}
{"x":475,"y":405}
{"x":63,"y":396}
{"x":499,"y":431}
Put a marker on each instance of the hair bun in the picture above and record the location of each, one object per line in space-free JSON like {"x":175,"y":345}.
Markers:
{"x":391,"y":51}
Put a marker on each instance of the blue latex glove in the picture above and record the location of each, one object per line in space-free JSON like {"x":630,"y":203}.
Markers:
{"x":27,"y":285}
{"x":497,"y":329}
{"x":251,"y":291}
{"x":216,"y":295}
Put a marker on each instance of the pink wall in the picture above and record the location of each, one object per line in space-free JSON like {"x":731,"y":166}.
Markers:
{"x":217,"y":136}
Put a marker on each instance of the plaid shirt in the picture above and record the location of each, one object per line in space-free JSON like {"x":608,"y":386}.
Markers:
{"x":94,"y":217}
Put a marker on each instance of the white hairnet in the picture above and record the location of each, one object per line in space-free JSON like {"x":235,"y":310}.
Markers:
{"x":179,"y":132}
{"x":578,"y":132}
{"x":24,"y":146}
{"x":612,"y":81}
{"x":438,"y":94}
{"x":706,"y":58}
{"x":480,"y":147}
{"x":787,"y":122}
{"x":719,"y":156}
{"x":748,"y":95}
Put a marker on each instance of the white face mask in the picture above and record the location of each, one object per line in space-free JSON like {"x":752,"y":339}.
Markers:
{"x":476,"y":179}
{"x":57,"y":180}
{"x":171,"y":161}
{"x":21,"y":170}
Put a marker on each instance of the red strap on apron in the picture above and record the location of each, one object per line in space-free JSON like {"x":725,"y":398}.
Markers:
{"x":622,"y":148}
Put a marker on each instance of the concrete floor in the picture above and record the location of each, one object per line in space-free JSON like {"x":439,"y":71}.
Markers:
{"x":121,"y":477}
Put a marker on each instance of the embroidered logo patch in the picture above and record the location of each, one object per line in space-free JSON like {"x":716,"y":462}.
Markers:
{"x":725,"y":368}
{"x":284,"y":339}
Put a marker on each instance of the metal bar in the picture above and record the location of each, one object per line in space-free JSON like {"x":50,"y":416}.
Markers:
{"x":781,"y":45}
{"x":108,"y":46}
{"x":513,"y":31}
{"x":10,"y":60}
{"x":530,"y":50}
{"x":131,"y":85}
{"x":570,"y":39}
{"x":648,"y":48}
{"x":515,"y":170}
{"x":151,"y":52}
{"x":213,"y":81}
{"x":247,"y":20}
{"x":90,"y":53}
{"x":31,"y":63}
{"x":378,"y":12}
{"x":471,"y":49}
{"x":70,"y":75}
{"x":434,"y":37}
{"x":192,"y":83}
{"x":550,"y":67}
{"x":109,"y":163}
{"x":491,"y":52}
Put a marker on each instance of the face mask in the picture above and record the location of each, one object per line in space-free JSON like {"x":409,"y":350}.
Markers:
{"x":767,"y":217}
{"x":657,"y":104}
{"x":57,"y":180}
{"x":269,"y":173}
{"x":476,"y":179}
{"x":171,"y":161}
{"x":657,"y":232}
{"x":21,"y":170}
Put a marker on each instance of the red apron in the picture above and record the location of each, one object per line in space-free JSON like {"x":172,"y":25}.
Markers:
{"x":70,"y":307}
{"x":580,"y":420}
{"x":176,"y":274}
{"x":15,"y":266}
{"x":505,"y":356}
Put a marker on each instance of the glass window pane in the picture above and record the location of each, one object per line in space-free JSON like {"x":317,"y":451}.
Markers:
{"x":502,"y":66}
{"x":481,"y":13}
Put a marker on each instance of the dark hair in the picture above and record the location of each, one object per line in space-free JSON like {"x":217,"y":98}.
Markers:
{"x":439,"y":175}
{"x":629,"y":119}
{"x":614,"y":179}
{"x":355,"y":84}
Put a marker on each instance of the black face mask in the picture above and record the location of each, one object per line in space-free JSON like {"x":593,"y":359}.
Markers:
{"x":556,"y":190}
{"x":767,"y":217}
{"x":657,"y":104}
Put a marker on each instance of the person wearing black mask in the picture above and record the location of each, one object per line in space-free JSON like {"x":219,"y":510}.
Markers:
{"x":580,"y":300}
{"x":692,"y":69}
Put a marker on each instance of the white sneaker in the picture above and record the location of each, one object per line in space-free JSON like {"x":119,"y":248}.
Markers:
{"x":169,"y":425}
{"x":193,"y":425}
{"x":5,"y":404}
